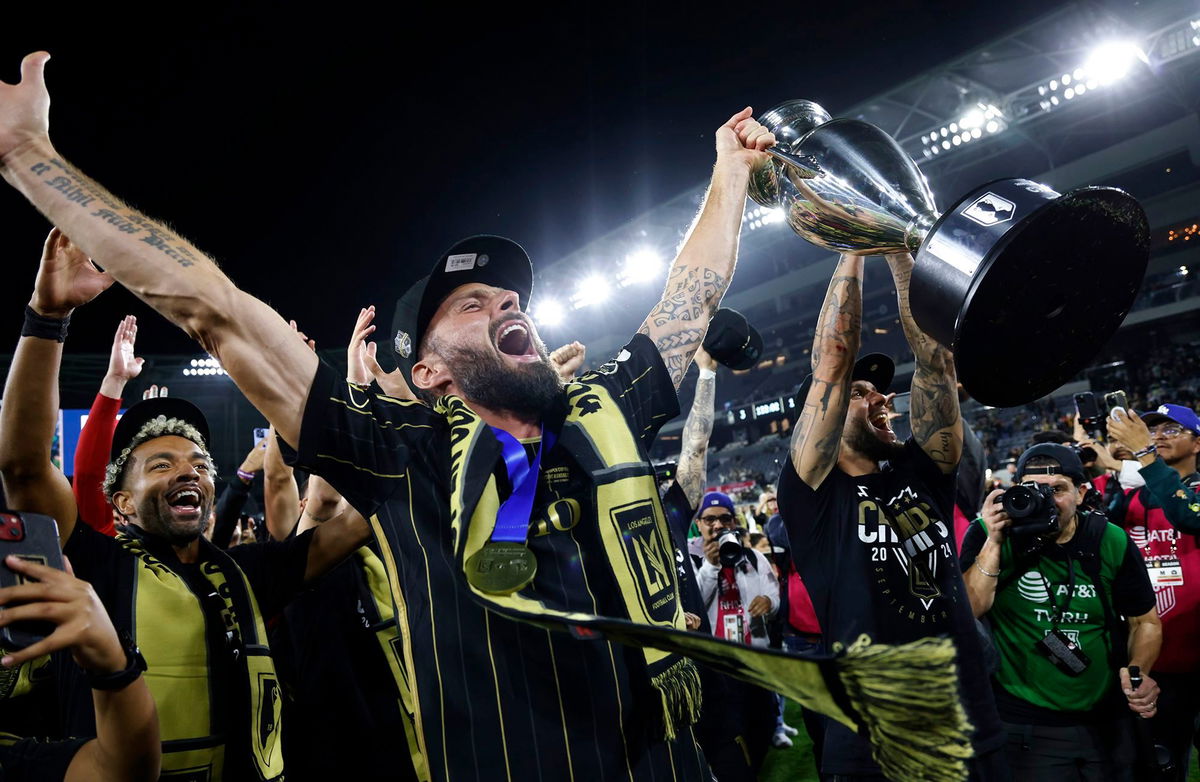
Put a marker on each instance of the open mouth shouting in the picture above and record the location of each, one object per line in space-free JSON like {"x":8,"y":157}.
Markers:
{"x":513,"y":339}
{"x":185,"y":503}
{"x":880,"y":425}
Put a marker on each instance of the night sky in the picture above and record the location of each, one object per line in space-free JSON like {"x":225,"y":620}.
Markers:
{"x":327,"y":161}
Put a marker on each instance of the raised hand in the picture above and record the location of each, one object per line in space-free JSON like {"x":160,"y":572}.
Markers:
{"x":567,"y":360}
{"x":81,"y":623}
{"x":362,"y":364}
{"x":66,"y":278}
{"x":25,"y":106}
{"x":122,"y":364}
{"x":356,"y":352}
{"x":312,"y":343}
{"x":154,"y":392}
{"x":742,"y":139}
{"x":704,"y":360}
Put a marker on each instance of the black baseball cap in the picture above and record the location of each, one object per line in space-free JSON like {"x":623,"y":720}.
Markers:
{"x":491,"y":260}
{"x":147,"y":410}
{"x":732,"y":341}
{"x":1068,"y":461}
{"x":875,"y":368}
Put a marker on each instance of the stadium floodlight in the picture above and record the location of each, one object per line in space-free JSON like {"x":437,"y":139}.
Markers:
{"x":593,"y":290}
{"x":1112,"y":61}
{"x":642,"y":265}
{"x":549,"y":313}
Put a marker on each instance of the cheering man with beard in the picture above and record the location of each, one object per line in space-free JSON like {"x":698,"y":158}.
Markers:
{"x":197,"y":613}
{"x":871,"y":519}
{"x":509,"y":491}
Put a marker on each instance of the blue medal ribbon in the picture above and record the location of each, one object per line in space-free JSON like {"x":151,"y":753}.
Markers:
{"x":512,"y":519}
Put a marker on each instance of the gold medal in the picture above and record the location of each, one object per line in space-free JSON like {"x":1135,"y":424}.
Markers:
{"x":501,"y":568}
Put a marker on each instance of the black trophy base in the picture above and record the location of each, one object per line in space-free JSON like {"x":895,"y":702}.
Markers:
{"x":1026,"y":285}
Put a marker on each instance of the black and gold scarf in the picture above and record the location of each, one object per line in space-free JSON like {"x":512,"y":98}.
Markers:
{"x":192,"y":710}
{"x":904,"y":699}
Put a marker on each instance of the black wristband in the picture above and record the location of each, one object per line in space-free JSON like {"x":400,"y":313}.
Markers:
{"x":121,"y":679}
{"x":44,"y":328}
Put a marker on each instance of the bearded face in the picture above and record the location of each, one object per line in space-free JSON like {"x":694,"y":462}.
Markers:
{"x":864,"y":438}
{"x":528,"y":388}
{"x":168,"y":489}
{"x":480,"y":346}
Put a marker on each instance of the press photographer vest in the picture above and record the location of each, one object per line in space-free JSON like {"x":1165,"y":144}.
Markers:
{"x":210,"y":671}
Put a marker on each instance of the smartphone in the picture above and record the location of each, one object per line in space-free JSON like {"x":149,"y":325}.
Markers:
{"x":1116,"y":399}
{"x":33,"y":537}
{"x":1088,"y":414}
{"x":259,"y":436}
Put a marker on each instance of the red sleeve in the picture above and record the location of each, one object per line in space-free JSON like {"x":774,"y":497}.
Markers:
{"x":91,"y":457}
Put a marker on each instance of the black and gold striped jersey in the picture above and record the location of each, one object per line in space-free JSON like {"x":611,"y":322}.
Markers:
{"x":490,"y":698}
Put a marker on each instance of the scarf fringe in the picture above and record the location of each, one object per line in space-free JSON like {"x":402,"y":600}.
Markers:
{"x":907,"y":698}
{"x":679,"y":687}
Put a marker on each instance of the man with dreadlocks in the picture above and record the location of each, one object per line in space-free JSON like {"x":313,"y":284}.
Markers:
{"x":196,"y":612}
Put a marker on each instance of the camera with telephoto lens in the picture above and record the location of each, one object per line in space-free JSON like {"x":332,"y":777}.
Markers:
{"x":730,"y":548}
{"x":1031,"y":508}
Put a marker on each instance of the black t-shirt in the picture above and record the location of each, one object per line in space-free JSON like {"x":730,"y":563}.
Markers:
{"x":876,"y":553}
{"x":496,"y":698}
{"x":30,"y":760}
{"x":328,"y":654}
{"x":275,"y":571}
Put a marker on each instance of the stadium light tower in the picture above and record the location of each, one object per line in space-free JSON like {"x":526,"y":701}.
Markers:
{"x":549,"y":313}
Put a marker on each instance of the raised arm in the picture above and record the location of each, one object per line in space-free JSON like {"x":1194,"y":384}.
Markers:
{"x":66,"y":279}
{"x":704,"y":266}
{"x":281,"y":495}
{"x":934,"y":415}
{"x":95,"y":439}
{"x":692,"y":472}
{"x":817,"y":435}
{"x":253,"y":344}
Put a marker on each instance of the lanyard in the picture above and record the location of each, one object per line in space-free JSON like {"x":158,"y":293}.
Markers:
{"x":512,"y":519}
{"x":1060,"y":612}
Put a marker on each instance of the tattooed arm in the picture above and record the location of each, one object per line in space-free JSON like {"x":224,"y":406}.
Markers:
{"x":817,"y":435}
{"x":936,"y":423}
{"x":693,"y":458}
{"x":254,"y":345}
{"x":702,"y":270}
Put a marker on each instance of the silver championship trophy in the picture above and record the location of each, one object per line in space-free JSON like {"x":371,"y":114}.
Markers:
{"x":1023,"y":284}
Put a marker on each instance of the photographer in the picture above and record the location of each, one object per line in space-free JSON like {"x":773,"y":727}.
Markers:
{"x":736,"y":582}
{"x":1054,"y":580}
{"x":740,"y":592}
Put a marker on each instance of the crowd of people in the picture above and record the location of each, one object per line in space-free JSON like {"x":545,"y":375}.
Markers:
{"x":467,"y":568}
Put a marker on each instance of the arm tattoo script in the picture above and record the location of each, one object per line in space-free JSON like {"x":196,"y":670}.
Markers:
{"x":678,"y":322}
{"x":934,"y":413}
{"x":103,"y":206}
{"x":693,"y":467}
{"x":816,"y":437}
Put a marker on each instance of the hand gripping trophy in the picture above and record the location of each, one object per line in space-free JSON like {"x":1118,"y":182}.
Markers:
{"x":1023,"y":284}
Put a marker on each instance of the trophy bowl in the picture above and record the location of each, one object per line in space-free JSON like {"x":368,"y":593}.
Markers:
{"x":1023,"y":284}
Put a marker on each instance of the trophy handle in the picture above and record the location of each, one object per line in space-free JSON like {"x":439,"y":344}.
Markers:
{"x":805,"y":166}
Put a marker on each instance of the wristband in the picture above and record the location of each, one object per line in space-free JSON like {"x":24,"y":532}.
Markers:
{"x":1149,"y":449}
{"x":707,"y":374}
{"x":135,"y":664}
{"x":247,"y":477}
{"x":40,"y":326}
{"x":981,"y":570}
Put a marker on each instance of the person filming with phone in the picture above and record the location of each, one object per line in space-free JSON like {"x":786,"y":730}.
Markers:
{"x":1053,"y":581}
{"x":1163,"y":519}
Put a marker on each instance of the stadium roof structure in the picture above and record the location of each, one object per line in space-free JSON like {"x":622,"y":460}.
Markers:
{"x":1083,"y":95}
